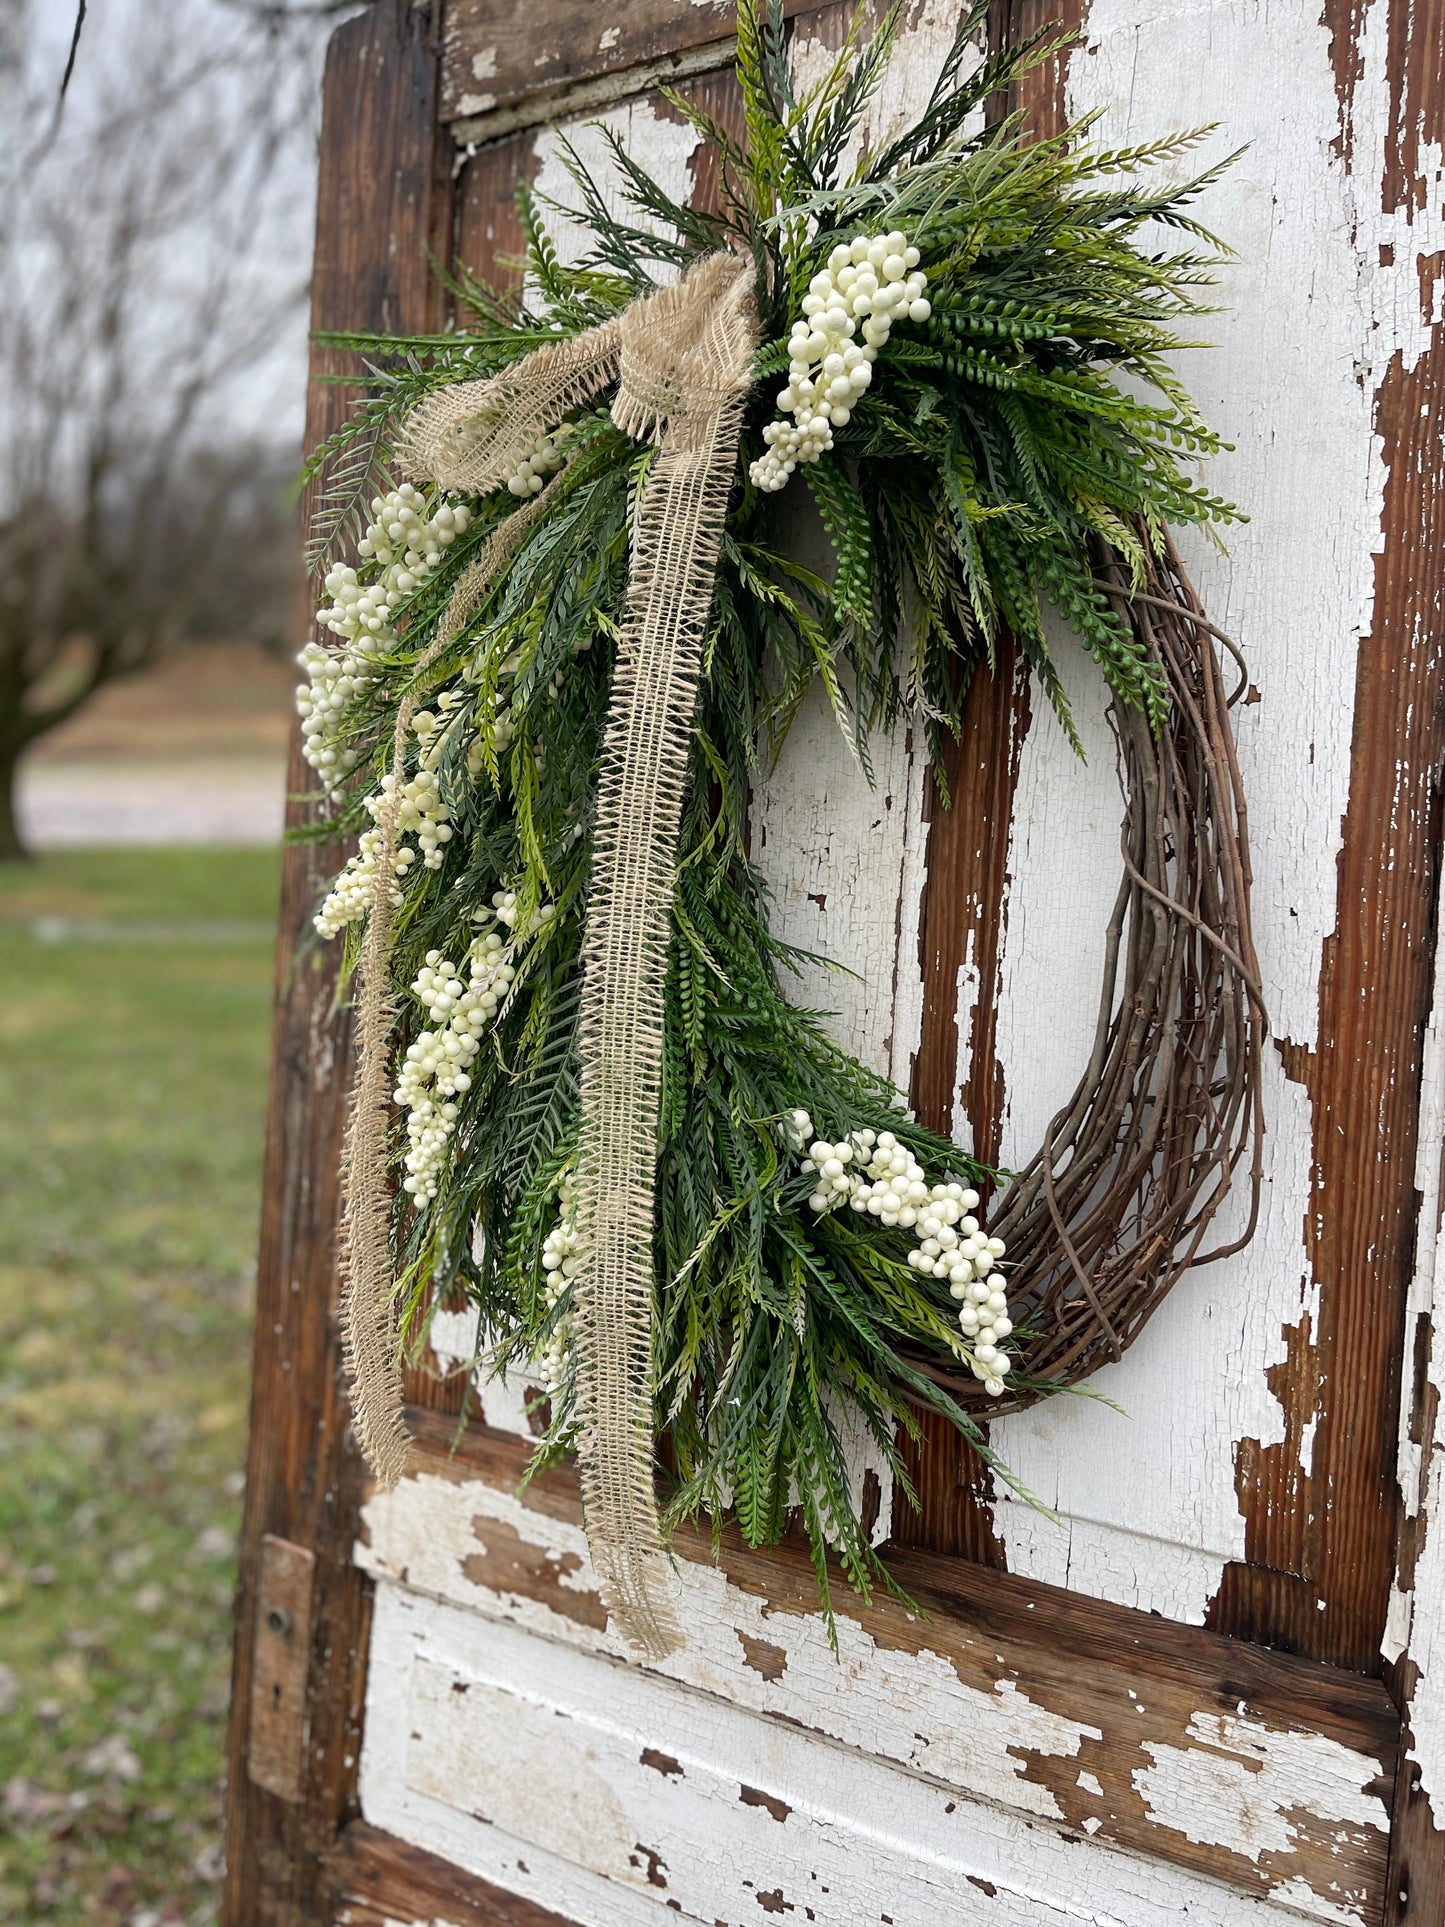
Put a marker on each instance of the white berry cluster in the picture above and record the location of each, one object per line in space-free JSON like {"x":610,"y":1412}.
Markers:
{"x":873,"y":1172}
{"x":350,"y":895}
{"x":431,"y":727}
{"x":405,"y":540}
{"x":560,"y":1264}
{"x":437,"y":1069}
{"x":333,"y":682}
{"x":868,"y":284}
{"x":401,"y":547}
{"x":532,"y":471}
{"x":420,"y":813}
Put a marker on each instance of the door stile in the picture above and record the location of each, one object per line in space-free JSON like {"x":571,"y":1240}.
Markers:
{"x":384,"y":198}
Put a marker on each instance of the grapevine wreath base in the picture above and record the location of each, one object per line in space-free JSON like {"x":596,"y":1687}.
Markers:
{"x":570,"y":637}
{"x":1117,"y":1202}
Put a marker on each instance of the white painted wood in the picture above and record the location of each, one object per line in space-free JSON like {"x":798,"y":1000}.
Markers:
{"x":607,"y":1793}
{"x":835,"y":851}
{"x":1310,"y":325}
{"x":664,"y":145}
{"x":1147,"y":1502}
{"x":909,"y":1739}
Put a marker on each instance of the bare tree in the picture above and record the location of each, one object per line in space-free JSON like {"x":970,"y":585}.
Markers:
{"x":153,"y":256}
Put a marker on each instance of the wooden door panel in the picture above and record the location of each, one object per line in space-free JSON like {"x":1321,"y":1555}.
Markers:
{"x":383,"y":202}
{"x":1253,"y":1483}
{"x":1024,"y":1751}
{"x":1003,"y":1724}
{"x":975,"y":935}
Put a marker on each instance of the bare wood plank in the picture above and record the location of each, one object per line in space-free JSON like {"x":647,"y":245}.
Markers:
{"x":383,"y":1881}
{"x":382,"y":200}
{"x":1415,"y":1879}
{"x":962,"y":920}
{"x":1414,"y":584}
{"x":276,"y":1745}
{"x":505,"y":67}
{"x":1146,"y":1709}
{"x":1335,"y":1529}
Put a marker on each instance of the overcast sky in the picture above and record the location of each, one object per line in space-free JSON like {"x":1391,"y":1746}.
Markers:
{"x":187,"y":71}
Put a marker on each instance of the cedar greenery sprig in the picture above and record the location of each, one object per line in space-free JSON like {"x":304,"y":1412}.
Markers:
{"x":1031,"y":416}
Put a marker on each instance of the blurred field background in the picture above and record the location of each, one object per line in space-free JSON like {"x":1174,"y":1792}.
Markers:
{"x":135,"y":991}
{"x":194,"y":751}
{"x":155,"y":237}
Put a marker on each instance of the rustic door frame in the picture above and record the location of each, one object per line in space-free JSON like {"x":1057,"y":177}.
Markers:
{"x":298,"y":1851}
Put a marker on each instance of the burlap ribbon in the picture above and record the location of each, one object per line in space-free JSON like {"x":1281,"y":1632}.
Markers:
{"x":680,"y":359}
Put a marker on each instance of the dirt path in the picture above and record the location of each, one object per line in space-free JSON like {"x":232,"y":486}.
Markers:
{"x":115,"y":804}
{"x":193,"y":752}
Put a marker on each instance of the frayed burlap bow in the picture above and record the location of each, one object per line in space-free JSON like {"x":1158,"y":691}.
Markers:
{"x":680,"y":360}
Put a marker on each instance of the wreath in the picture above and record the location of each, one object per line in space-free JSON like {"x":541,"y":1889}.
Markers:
{"x":575,"y":625}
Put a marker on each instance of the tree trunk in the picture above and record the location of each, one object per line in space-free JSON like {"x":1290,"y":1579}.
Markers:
{"x":11,"y":847}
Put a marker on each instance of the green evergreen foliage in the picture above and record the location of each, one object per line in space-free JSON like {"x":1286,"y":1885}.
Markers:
{"x":1031,"y":418}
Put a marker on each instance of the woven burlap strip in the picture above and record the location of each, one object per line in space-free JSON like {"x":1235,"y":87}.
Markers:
{"x":685,"y":357}
{"x":681,"y":360}
{"x":473,"y":434}
{"x":369,"y":1335}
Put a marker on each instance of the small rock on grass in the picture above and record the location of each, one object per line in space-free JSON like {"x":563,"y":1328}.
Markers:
{"x":210,"y":1863}
{"x":215,"y":1542}
{"x":111,"y":1758}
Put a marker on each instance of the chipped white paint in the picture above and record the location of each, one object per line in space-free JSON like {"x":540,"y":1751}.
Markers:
{"x":453,"y":1336}
{"x":1417,"y":1616}
{"x":834,"y":851}
{"x":977,"y":1742}
{"x":904,"y":90}
{"x":1311,"y":322}
{"x":1147,"y":1502}
{"x":606,"y":1793}
{"x":500,"y":1403}
{"x":664,"y":146}
{"x":506,"y":1590}
{"x":1260,"y":1785}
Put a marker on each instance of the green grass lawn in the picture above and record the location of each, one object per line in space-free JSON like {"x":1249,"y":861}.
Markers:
{"x":135,"y":991}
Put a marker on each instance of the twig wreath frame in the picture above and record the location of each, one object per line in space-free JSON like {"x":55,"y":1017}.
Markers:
{"x":1117,"y":1202}
{"x":569,"y":639}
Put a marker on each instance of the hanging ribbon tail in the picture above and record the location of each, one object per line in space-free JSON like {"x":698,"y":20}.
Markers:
{"x":681,"y":362}
{"x":470,"y":436}
{"x":683,"y":381}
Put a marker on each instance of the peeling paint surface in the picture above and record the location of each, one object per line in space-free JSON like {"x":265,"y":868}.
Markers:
{"x":1310,"y":322}
{"x":664,"y":146}
{"x":1326,"y":291}
{"x":982,"y":1738}
{"x":483,"y":1600}
{"x":754,"y":1774}
{"x":1262,"y":1788}
{"x":526,"y":1763}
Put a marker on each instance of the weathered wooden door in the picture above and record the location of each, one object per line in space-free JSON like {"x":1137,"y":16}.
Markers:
{"x":1215,"y":1692}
